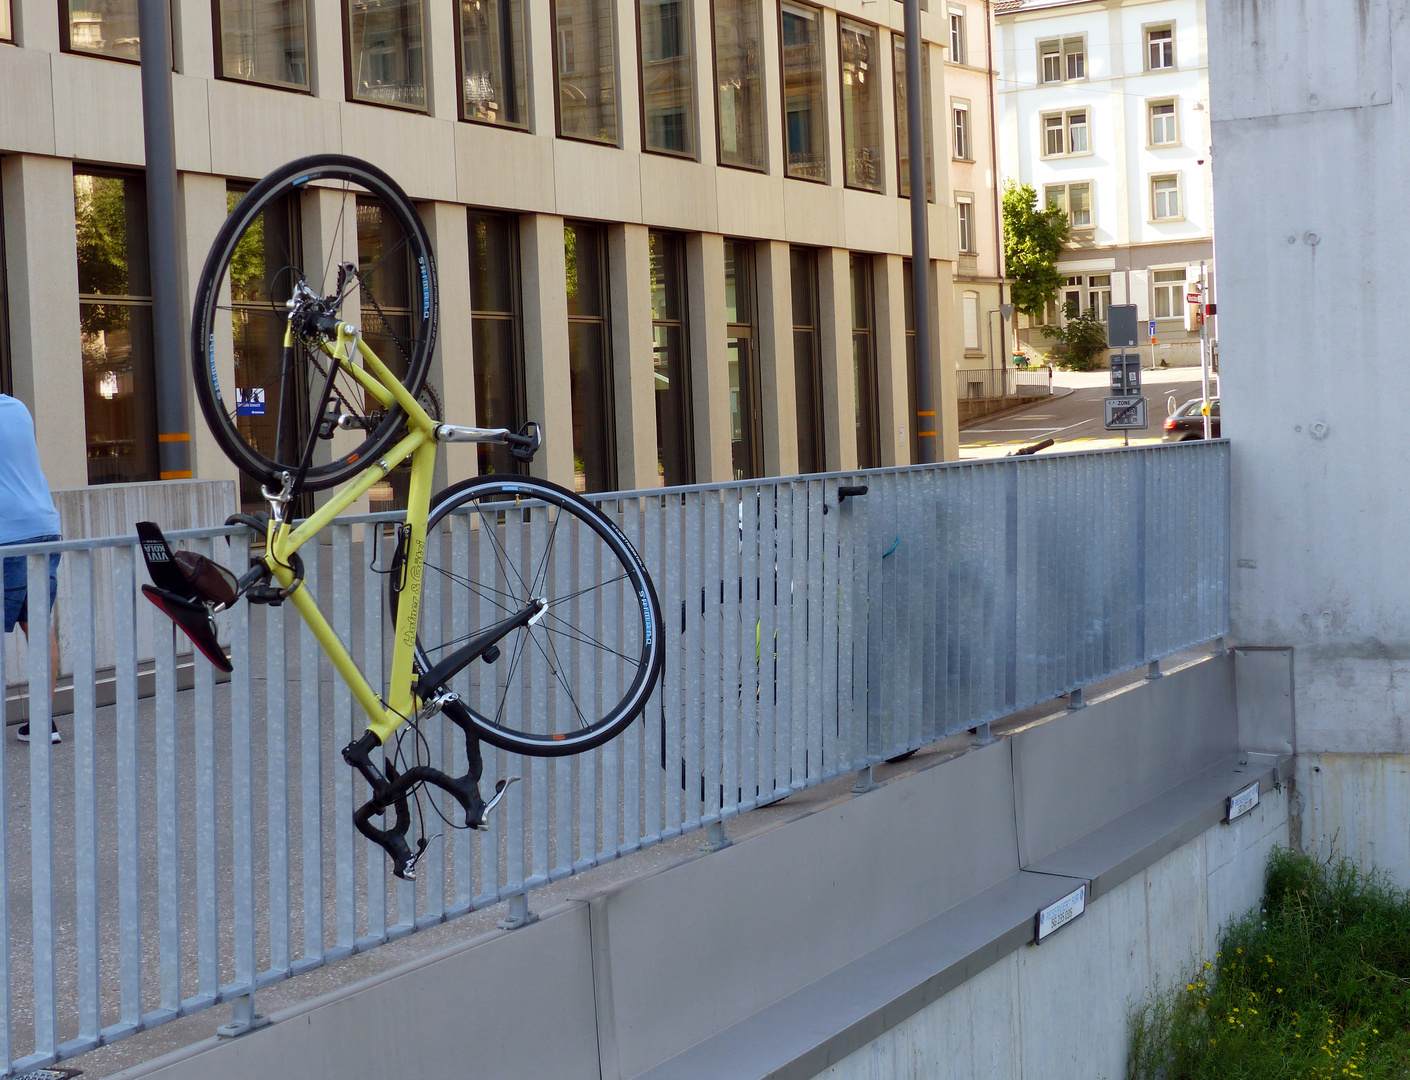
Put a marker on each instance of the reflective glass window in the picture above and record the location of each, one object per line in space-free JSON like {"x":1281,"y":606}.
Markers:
{"x":105,"y":28}
{"x":746,"y":421}
{"x":861,"y":105}
{"x":675,"y":459}
{"x":903,"y":136}
{"x":864,"y":364}
{"x":585,"y":59}
{"x":807,"y":360}
{"x":263,"y":41}
{"x":590,"y":358}
{"x":386,"y":52}
{"x":667,"y":85}
{"x":496,"y":332}
{"x":804,"y":102}
{"x":492,"y":62}
{"x":739,"y":83}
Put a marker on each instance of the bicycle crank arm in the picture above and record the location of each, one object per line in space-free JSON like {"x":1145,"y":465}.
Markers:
{"x":443,"y":672}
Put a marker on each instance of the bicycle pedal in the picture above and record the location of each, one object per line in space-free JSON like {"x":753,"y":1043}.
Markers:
{"x":500,"y":788}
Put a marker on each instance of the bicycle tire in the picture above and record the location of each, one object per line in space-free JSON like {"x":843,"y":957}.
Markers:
{"x":581,"y":675}
{"x":297,"y":378}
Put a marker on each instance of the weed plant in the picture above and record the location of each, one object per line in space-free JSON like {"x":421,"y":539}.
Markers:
{"x":1315,"y":984}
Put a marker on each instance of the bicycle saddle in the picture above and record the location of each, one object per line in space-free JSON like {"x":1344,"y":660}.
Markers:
{"x":187,"y":588}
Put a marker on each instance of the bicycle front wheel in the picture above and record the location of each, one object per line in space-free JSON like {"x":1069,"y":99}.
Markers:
{"x":577,"y":676}
{"x":324,"y":221}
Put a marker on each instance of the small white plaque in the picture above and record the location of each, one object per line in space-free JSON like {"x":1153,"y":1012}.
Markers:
{"x":1057,"y":915}
{"x":1242,"y":801}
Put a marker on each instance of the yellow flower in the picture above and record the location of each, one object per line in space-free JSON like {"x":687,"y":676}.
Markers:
{"x":1189,"y":986}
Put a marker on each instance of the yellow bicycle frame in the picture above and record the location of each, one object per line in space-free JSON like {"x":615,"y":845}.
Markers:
{"x":419,"y":444}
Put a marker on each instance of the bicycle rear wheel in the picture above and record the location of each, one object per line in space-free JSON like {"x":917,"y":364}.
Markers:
{"x":576,"y":677}
{"x":301,"y":223}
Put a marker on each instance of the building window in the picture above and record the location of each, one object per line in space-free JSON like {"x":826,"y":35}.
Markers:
{"x":971,"y":322}
{"x":1065,"y":133}
{"x":1160,"y":47}
{"x":964,"y":151}
{"x":258,"y":291}
{"x":590,"y":358}
{"x":1075,"y":200}
{"x":1165,"y":198}
{"x":671,"y":352}
{"x":115,"y":320}
{"x":496,"y":333}
{"x":864,"y":379}
{"x":861,"y":105}
{"x":1099,"y":295}
{"x":667,"y":94}
{"x":746,"y":427}
{"x":1062,"y":59}
{"x":957,"y":49}
{"x":108,"y":29}
{"x":7,"y":28}
{"x":263,"y":41}
{"x":1163,"y":120}
{"x":492,"y":62}
{"x":386,"y":53}
{"x":739,"y":83}
{"x":804,"y":103}
{"x":585,"y":59}
{"x":903,"y":133}
{"x":807,"y":359}
{"x":1169,"y":288}
{"x":964,"y":205}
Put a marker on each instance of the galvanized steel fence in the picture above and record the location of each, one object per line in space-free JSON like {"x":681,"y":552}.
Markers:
{"x":186,"y":849}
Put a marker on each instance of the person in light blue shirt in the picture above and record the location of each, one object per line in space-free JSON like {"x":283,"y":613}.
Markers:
{"x":27,"y":516}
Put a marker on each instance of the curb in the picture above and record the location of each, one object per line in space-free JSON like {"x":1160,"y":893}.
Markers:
{"x":1017,"y":409}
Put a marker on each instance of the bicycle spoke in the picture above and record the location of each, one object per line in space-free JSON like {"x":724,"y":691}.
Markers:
{"x":501,"y":555}
{"x":555,"y":667}
{"x":547,"y":548}
{"x":586,"y":590}
{"x":574,"y":634}
{"x":509,"y":677}
{"x":475,"y":587}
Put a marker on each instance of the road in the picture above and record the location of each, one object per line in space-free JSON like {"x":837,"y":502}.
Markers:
{"x":1074,"y":416}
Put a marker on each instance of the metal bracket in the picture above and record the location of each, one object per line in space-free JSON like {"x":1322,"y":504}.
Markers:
{"x":243,"y":1018}
{"x":864,"y":781}
{"x":1153,"y":671}
{"x":1074,"y":700}
{"x":519,"y":913}
{"x":982,"y":735}
{"x":715,"y":838}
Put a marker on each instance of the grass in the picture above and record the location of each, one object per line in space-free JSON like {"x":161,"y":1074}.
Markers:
{"x":1315,"y":984}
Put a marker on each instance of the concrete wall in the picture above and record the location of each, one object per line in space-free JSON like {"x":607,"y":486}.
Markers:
{"x":857,"y":933}
{"x":1308,"y":263}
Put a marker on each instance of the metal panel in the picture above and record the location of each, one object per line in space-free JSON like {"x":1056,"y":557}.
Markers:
{"x":803,"y":638}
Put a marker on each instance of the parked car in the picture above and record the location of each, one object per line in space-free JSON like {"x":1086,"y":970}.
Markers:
{"x":1187,"y":422}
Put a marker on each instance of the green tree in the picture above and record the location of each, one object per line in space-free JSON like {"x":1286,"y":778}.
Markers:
{"x":1081,"y":340}
{"x":1033,"y":239}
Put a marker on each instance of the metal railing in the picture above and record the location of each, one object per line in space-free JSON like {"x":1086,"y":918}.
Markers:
{"x":187,"y":849}
{"x":1001,"y":382}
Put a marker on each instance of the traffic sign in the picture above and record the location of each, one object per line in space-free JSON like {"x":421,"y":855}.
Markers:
{"x":1152,"y":328}
{"x":1125,"y":373}
{"x":1126,"y":413}
{"x":1121,"y":326}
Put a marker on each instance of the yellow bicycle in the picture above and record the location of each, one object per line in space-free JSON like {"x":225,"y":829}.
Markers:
{"x":560,"y":628}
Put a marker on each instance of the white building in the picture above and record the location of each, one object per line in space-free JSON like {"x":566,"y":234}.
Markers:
{"x":1104,"y":109}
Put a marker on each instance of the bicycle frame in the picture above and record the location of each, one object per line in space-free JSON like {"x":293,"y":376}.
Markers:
{"x":282,"y":541}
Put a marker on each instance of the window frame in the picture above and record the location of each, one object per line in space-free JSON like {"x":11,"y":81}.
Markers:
{"x":958,"y":45}
{"x":350,"y":75}
{"x":1146,"y":30}
{"x":965,"y":198}
{"x":1099,"y":295}
{"x":514,"y":317}
{"x":1064,"y":51}
{"x":218,"y":42}
{"x":607,"y":392}
{"x":685,"y":437}
{"x":750,"y":379}
{"x":1155,"y":178}
{"x":558,"y":132}
{"x":1178,"y":297}
{"x":1080,"y":231}
{"x":763,"y":166}
{"x":814,"y":360}
{"x":867,"y":389}
{"x":960,"y":107}
{"x":880,"y":188}
{"x":927,"y":134}
{"x":8,"y":38}
{"x":826,"y":178}
{"x":460,"y":74}
{"x":66,"y":38}
{"x":1065,"y":130}
{"x":1151,"y":105}
{"x":693,"y":109}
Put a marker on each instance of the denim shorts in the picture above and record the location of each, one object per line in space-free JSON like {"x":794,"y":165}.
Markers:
{"x":17,"y":584}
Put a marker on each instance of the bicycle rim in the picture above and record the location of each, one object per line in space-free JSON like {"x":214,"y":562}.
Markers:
{"x":579,"y":675}
{"x":299,"y":223}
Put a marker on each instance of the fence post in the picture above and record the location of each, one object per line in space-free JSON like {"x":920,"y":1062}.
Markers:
{"x":243,"y":1018}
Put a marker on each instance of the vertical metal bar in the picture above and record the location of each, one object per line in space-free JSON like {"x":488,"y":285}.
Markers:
{"x":85,"y":809}
{"x":751,"y":646}
{"x":693,"y":595}
{"x":565,"y":547}
{"x":822,"y":630}
{"x":490,"y":840}
{"x":458,"y":563}
{"x":539,"y":713}
{"x":242,"y":808}
{"x":611,"y":681}
{"x":277,"y":766}
{"x":773,"y":761}
{"x":653,"y":724}
{"x":800,"y":649}
{"x":632,"y":522}
{"x":344,"y":731}
{"x":207,"y":853}
{"x":433,"y":865}
{"x":311,"y":773}
{"x":129,"y":851}
{"x":713,"y":684}
{"x":674,"y":640}
{"x":88,"y":975}
{"x":168,"y":840}
{"x":373,"y":645}
{"x":41,"y":806}
{"x":731,"y":647}
{"x":928,"y":444}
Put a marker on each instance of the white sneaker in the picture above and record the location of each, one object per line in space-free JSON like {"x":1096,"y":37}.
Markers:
{"x":23,"y":733}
